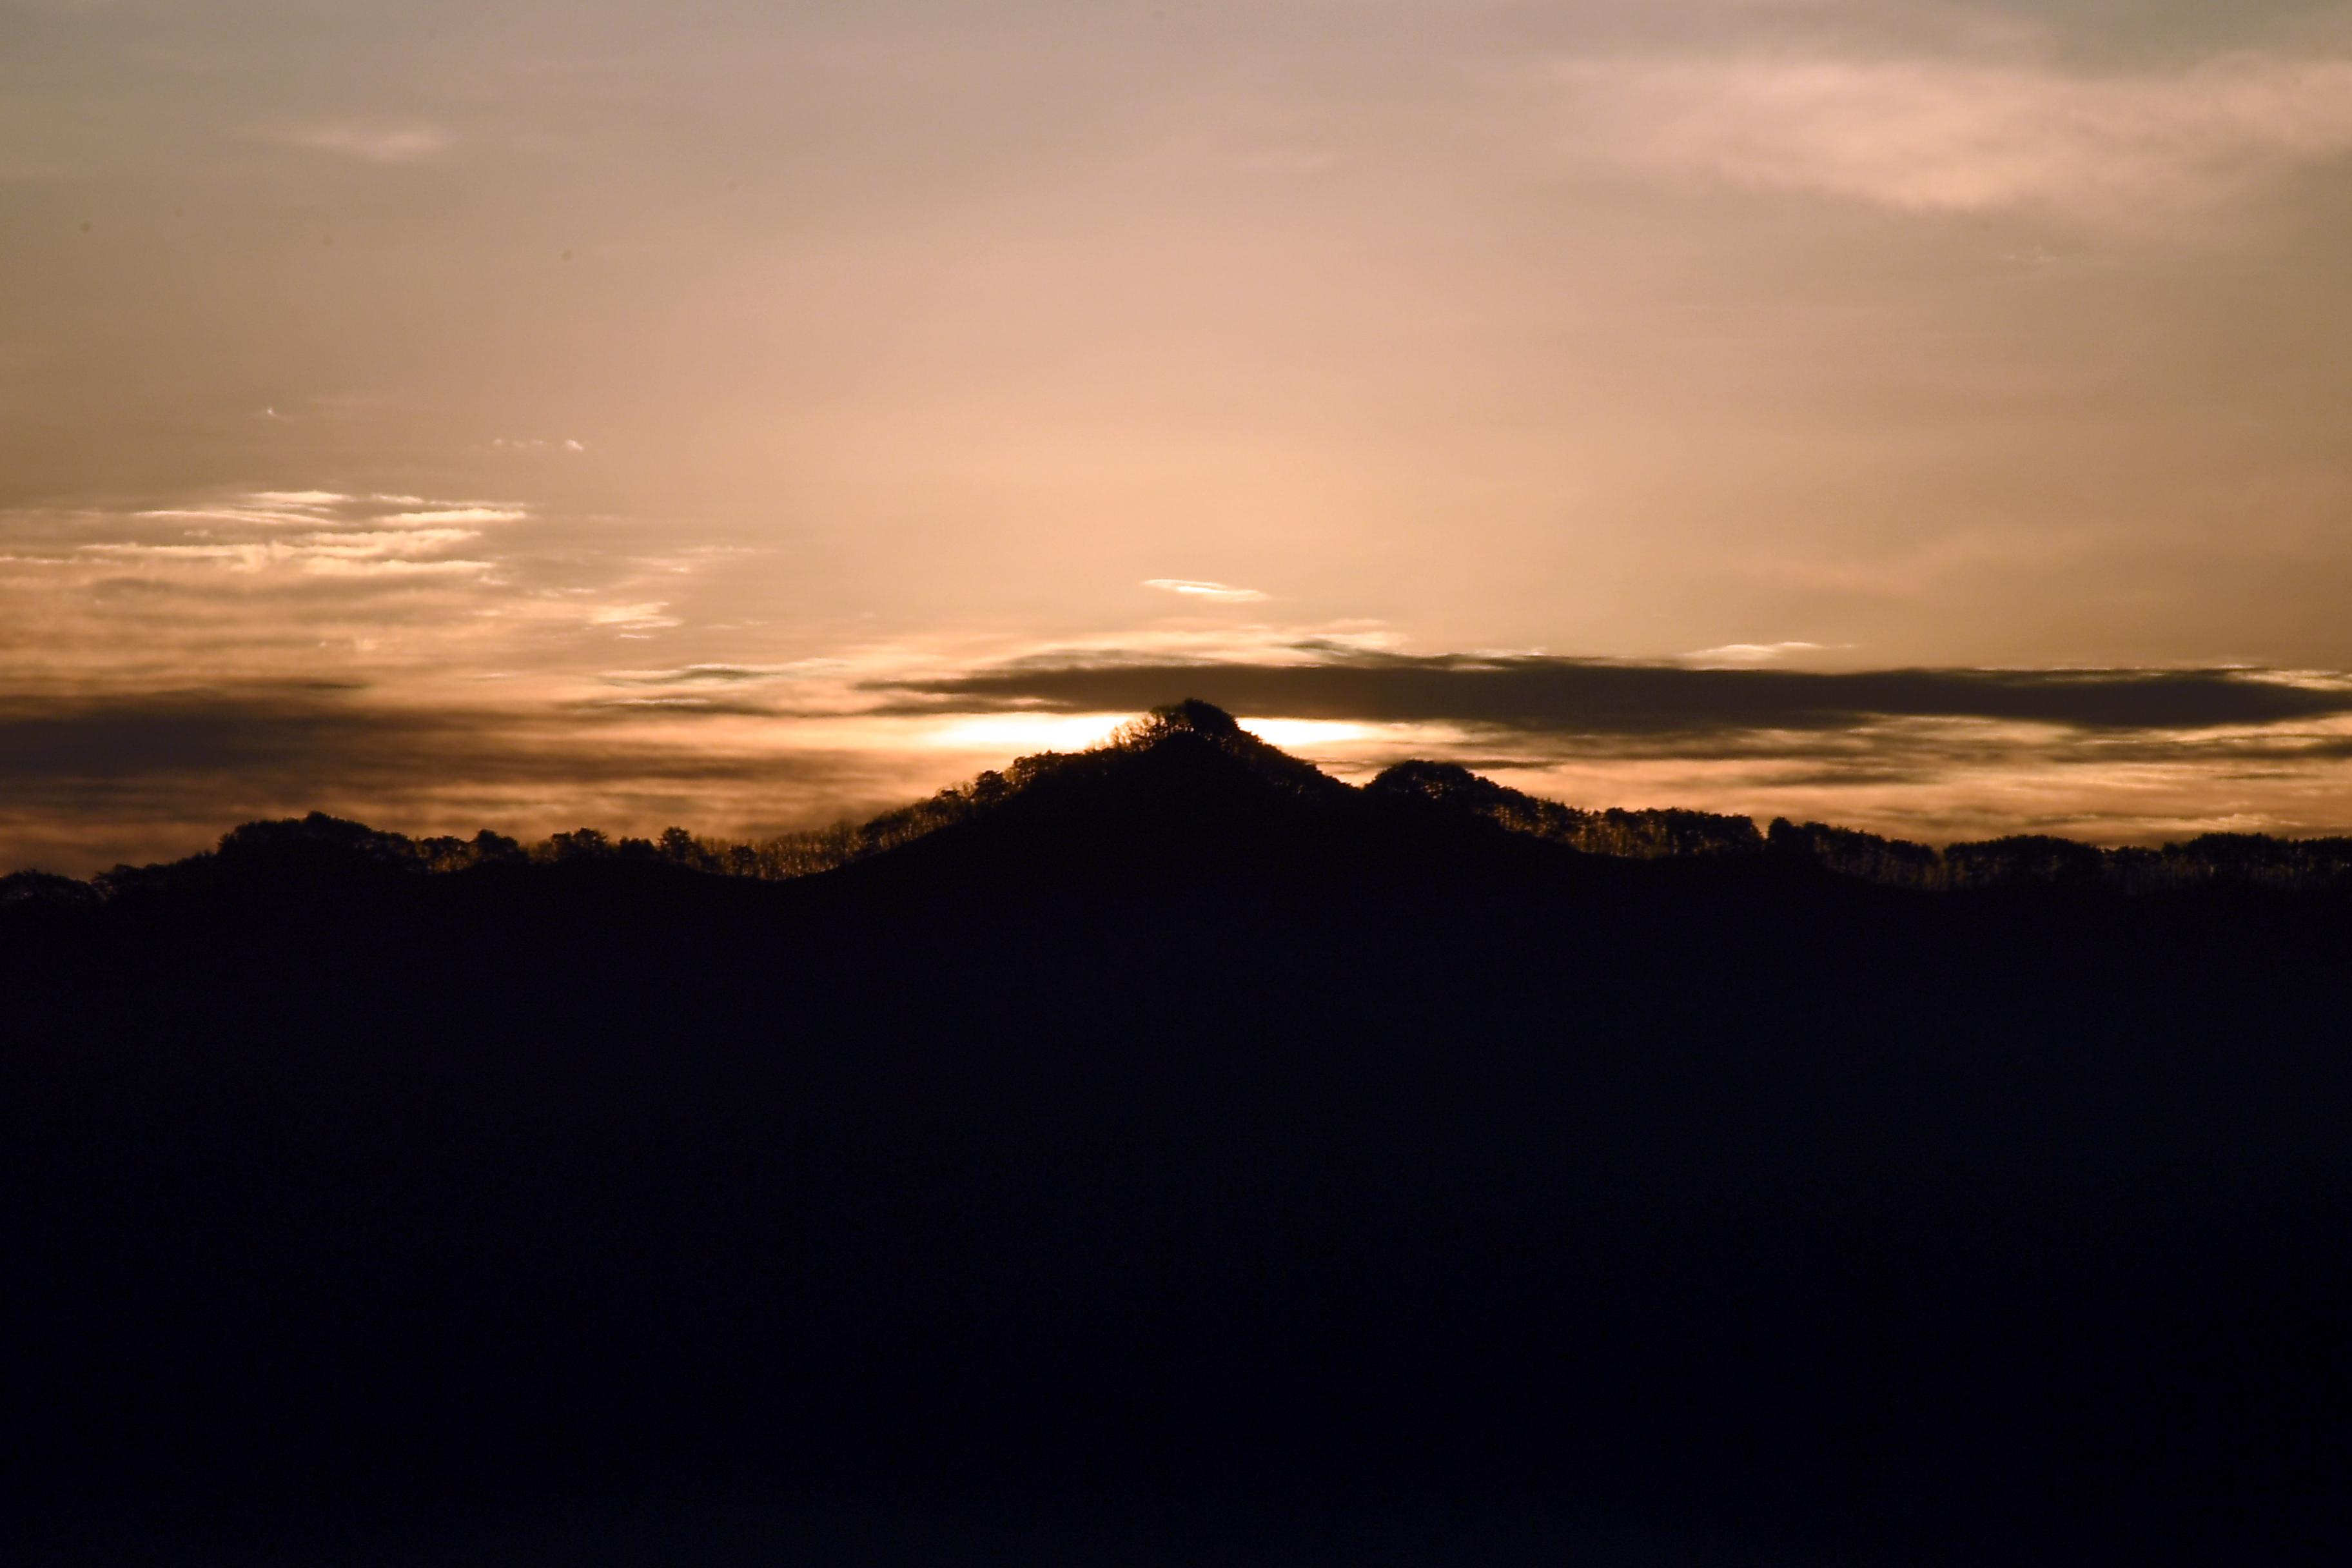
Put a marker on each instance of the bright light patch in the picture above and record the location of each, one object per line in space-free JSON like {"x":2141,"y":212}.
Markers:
{"x":1021,"y":734}
{"x":631,"y":617}
{"x":1192,"y":588}
{"x":1736,"y":654}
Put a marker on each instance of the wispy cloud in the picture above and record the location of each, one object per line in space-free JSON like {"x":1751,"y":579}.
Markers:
{"x":474,"y":512}
{"x":309,"y":508}
{"x":1750,"y":653}
{"x":1192,"y":588}
{"x":299,"y":498}
{"x":378,"y":144}
{"x":394,"y":566}
{"x":535,"y":443}
{"x":91,"y":778}
{"x":258,"y":514}
{"x":323,"y":553}
{"x":238,"y":585}
{"x":650,"y":616}
{"x":1929,"y":135}
{"x":725,"y":674}
{"x":319,"y":531}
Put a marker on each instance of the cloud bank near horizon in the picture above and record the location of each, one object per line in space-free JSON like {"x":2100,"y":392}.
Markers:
{"x":2112,"y":754}
{"x":533,"y":415}
{"x":1574,"y":697}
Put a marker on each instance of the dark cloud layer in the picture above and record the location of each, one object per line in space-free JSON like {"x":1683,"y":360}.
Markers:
{"x":77,"y":743}
{"x":91,"y":777}
{"x":94,"y":778}
{"x":1538,"y":694}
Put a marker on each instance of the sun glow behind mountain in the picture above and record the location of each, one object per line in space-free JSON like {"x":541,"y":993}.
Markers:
{"x":1027,"y":732}
{"x":449,"y":415}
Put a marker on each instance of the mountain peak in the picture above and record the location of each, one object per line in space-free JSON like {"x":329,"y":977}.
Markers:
{"x":1190,"y":716}
{"x":1200,"y":742}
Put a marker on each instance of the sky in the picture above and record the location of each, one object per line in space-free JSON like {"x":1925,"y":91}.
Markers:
{"x":1934,"y":418}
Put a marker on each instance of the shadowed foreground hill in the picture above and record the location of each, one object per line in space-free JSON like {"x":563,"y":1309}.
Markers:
{"x":1173,"y":1156}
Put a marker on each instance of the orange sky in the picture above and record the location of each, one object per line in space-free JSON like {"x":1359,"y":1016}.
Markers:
{"x":533,"y":415}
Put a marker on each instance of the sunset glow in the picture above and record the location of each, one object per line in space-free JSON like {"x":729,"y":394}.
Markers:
{"x":1355,"y":784}
{"x":753,"y":417}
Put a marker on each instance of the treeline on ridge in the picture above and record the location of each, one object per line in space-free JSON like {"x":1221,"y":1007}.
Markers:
{"x":2018,"y":860}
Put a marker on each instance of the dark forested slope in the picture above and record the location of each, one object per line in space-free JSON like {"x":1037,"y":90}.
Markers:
{"x":1174,"y":1123}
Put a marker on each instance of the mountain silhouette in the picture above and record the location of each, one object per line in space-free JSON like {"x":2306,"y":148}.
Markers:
{"x":1185,"y":783}
{"x":1187,"y":799}
{"x":1169,"y":1153}
{"x":1186,"y":788}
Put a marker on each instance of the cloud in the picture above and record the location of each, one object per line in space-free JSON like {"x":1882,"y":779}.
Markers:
{"x":722,"y":674}
{"x":90,"y":775}
{"x":394,"y":144}
{"x":92,"y":778}
{"x":535,"y":443}
{"x":385,"y":541}
{"x":339,"y":535}
{"x":1946,"y":136}
{"x":1571,"y":697}
{"x":475,"y":512}
{"x":242,"y":557}
{"x":334,"y":566}
{"x":253,"y":582}
{"x":631,"y":617}
{"x":309,"y":508}
{"x":1747,"y":653}
{"x":1194,"y":589}
{"x":2111,"y":754}
{"x":255,"y":516}
{"x":67,"y":745}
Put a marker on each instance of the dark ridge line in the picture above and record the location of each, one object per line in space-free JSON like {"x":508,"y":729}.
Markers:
{"x":1618,"y":833}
